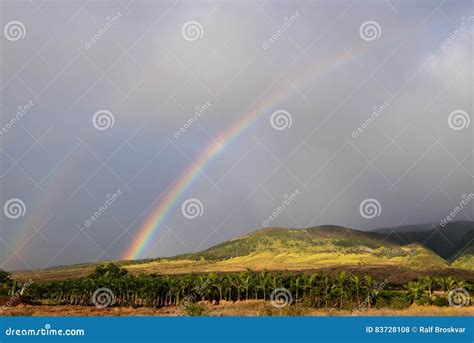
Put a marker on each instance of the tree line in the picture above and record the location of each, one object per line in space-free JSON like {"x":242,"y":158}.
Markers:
{"x":342,"y":290}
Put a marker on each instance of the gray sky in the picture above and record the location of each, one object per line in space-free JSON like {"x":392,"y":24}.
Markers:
{"x":329,"y":65}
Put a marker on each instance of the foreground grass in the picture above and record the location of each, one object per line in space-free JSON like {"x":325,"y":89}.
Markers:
{"x":243,"y":308}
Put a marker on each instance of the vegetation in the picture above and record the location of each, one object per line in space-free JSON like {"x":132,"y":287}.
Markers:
{"x":195,"y":310}
{"x":281,"y":249}
{"x":342,"y":290}
{"x":6,"y":283}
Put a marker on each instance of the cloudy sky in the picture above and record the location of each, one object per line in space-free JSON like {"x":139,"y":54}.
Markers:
{"x":115,"y":114}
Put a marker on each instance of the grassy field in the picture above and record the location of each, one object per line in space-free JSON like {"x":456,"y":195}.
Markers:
{"x":243,"y":308}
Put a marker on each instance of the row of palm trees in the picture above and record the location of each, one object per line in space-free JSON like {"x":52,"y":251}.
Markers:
{"x":424,"y":289}
{"x":342,"y":290}
{"x":158,"y":291}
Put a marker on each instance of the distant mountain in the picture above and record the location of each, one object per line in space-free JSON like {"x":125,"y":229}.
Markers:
{"x":407,"y":228}
{"x":465,"y":257}
{"x":449,"y":241}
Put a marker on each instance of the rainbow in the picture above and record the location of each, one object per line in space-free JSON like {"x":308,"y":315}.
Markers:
{"x":39,"y":213}
{"x":169,"y":201}
{"x":172,"y":197}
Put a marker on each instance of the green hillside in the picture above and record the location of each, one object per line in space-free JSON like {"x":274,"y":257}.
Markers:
{"x":453,"y":242}
{"x":324,"y":244}
{"x":465,"y":258}
{"x":323,"y":247}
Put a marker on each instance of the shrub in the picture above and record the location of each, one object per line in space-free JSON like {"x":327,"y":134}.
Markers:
{"x":195,"y":309}
{"x":440,"y":301}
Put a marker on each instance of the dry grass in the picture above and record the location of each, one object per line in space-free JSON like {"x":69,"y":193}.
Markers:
{"x":243,"y":308}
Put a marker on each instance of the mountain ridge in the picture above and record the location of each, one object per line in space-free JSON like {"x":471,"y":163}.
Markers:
{"x":324,"y":247}
{"x":448,"y":241}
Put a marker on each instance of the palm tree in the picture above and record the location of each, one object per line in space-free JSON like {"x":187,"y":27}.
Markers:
{"x":235,"y":281}
{"x":340,"y":286}
{"x":429,"y":283}
{"x":368,"y":288}
{"x":262,"y":284}
{"x":325,"y":288}
{"x":357,"y":284}
{"x":246,"y":282}
{"x":462,"y":284}
{"x":414,"y":290}
{"x":220,"y":284}
{"x":308,"y":282}
{"x":447,"y":284}
{"x":296,"y":282}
